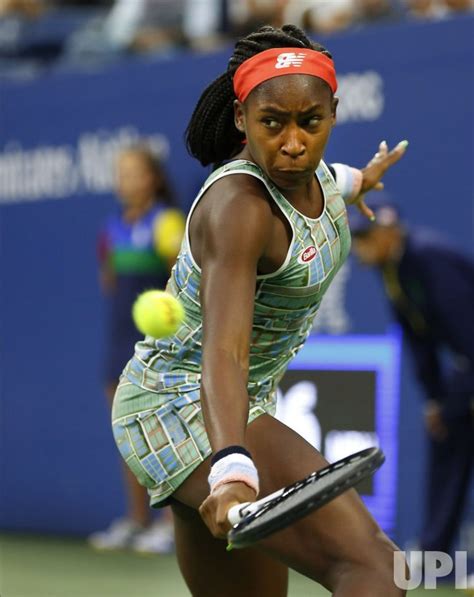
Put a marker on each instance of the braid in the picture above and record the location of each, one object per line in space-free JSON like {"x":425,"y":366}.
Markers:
{"x":211,"y":135}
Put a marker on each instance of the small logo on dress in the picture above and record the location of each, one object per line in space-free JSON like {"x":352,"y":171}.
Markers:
{"x":308,"y":254}
{"x":287,"y":59}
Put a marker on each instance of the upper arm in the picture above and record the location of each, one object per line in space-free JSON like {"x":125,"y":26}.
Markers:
{"x":235,"y":231}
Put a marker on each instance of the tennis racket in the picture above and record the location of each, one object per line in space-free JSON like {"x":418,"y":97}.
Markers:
{"x":254,"y":521}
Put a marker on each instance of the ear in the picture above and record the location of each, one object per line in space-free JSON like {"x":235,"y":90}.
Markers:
{"x":239,"y":116}
{"x":334,"y":104}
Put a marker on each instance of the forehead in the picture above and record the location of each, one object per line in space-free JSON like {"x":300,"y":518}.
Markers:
{"x":291,"y":92}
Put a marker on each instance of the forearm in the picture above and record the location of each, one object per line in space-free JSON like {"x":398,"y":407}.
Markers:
{"x":224,"y":399}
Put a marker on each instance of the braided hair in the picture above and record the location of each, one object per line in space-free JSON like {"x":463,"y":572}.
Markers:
{"x":211,"y":135}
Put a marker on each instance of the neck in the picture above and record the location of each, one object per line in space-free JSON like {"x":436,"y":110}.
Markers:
{"x":132,"y":213}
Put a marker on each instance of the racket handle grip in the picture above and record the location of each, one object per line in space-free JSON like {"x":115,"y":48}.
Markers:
{"x":237,"y":512}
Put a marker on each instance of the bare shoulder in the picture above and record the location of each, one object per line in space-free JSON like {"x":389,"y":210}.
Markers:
{"x":239,"y":194}
{"x":235,"y":208}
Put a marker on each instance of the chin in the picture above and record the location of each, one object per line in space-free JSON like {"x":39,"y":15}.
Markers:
{"x":291,"y":181}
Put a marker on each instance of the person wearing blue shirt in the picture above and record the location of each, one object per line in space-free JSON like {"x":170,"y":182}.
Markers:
{"x":430,"y":288}
{"x":137,"y":248}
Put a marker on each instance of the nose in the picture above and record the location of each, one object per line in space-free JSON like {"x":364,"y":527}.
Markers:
{"x":293,"y":144}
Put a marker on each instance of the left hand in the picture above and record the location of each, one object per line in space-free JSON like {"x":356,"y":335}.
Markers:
{"x":375,"y":170}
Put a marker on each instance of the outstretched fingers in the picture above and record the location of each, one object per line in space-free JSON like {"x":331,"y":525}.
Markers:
{"x":396,"y":153}
{"x":379,"y":164}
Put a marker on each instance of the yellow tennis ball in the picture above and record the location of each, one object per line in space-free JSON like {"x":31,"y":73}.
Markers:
{"x":157,"y":313}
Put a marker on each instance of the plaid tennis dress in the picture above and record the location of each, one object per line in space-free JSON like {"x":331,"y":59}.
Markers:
{"x":157,"y":420}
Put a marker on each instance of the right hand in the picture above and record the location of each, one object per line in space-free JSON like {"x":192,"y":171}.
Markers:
{"x":373,"y":173}
{"x":215,"y":507}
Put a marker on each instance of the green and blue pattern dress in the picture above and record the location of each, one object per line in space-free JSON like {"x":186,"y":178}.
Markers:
{"x":157,"y":418}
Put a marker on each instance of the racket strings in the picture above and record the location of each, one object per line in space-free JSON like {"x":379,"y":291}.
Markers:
{"x":316,"y":476}
{"x":299,"y":499}
{"x":312,"y":478}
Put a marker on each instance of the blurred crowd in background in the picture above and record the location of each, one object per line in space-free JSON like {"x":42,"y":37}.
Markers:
{"x":35,"y":34}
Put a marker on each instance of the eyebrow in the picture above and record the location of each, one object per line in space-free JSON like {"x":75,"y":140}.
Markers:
{"x":276,"y":110}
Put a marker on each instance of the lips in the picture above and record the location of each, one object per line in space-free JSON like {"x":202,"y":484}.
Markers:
{"x":291,"y":169}
{"x":293,"y":174}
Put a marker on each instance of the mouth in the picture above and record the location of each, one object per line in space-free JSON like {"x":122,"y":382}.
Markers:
{"x":292,"y":170}
{"x":292,"y":175}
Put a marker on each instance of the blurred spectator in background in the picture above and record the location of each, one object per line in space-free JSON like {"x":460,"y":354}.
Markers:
{"x":83,"y":3}
{"x":246,"y":16}
{"x":205,"y":24}
{"x":430,"y":288}
{"x":34,"y":33}
{"x":143,"y":25}
{"x":37,"y":33}
{"x":137,"y":249}
{"x":129,"y":26}
{"x":321,"y":17}
{"x":424,"y":9}
{"x":330,"y":17}
{"x":17,"y":19}
{"x":370,"y":12}
{"x":435,"y":9}
{"x":456,"y":6}
{"x":25,"y":8}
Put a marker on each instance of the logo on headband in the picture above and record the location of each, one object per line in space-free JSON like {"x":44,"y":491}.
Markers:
{"x":287,"y":59}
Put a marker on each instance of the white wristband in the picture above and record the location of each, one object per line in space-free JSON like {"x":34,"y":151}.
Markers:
{"x":234,"y":468}
{"x":348,"y":181}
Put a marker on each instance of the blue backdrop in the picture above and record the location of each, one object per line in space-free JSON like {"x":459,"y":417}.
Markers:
{"x":59,"y":135}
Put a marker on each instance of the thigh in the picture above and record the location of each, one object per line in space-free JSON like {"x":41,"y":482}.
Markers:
{"x":210,"y":571}
{"x":160,"y":436}
{"x":320,"y":545}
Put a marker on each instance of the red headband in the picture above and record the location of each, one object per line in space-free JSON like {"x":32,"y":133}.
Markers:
{"x":282,"y":61}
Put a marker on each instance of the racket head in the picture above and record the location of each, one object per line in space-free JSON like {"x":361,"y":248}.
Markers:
{"x":301,"y":498}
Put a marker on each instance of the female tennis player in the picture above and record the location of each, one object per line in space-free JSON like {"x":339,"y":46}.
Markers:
{"x":265,"y":236}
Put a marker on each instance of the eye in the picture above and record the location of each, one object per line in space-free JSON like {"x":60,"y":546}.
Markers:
{"x":312,"y":121}
{"x":271,"y":123}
